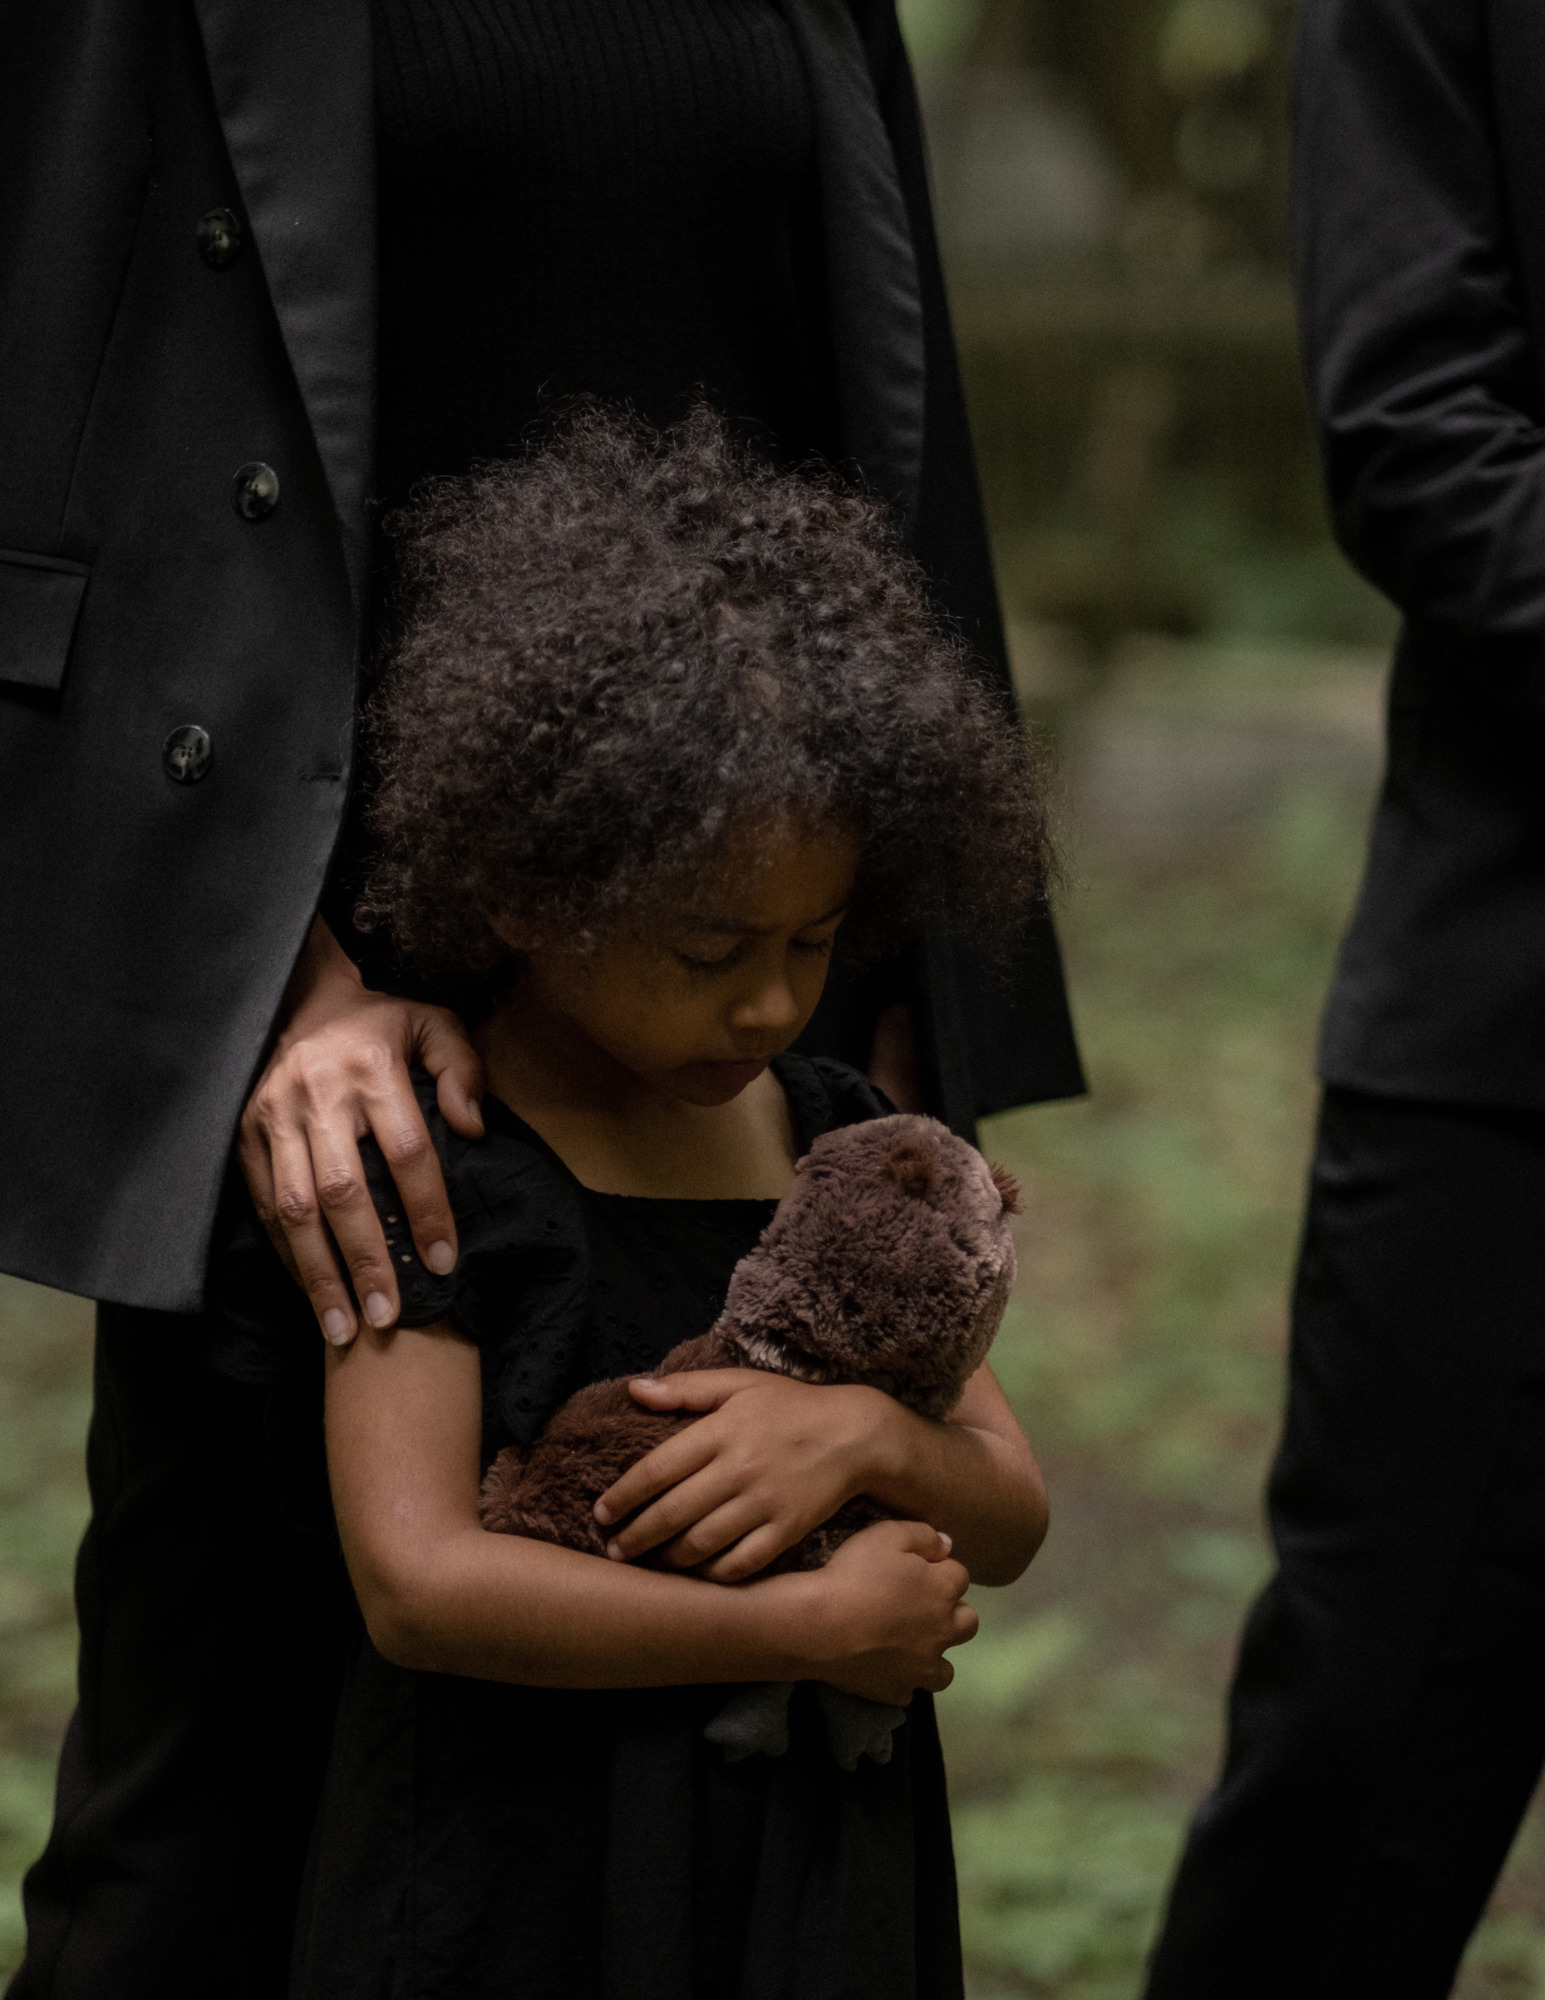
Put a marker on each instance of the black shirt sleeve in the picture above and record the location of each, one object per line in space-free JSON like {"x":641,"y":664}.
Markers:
{"x":521,"y":1279}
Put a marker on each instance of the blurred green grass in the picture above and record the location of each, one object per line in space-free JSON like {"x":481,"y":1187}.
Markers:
{"x":45,"y":1396}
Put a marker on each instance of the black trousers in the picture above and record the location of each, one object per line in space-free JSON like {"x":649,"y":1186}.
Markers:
{"x":214,"y":1612}
{"x":1387,"y":1718}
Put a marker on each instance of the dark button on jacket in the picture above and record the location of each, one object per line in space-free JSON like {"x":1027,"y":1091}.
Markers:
{"x":255,"y":491}
{"x":219,"y":237}
{"x":187,"y":754}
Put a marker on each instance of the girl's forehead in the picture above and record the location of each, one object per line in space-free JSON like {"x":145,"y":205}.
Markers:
{"x":744,"y":926}
{"x":791,"y":882}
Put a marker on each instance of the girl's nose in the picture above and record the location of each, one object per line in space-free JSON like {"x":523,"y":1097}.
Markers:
{"x":771,"y":1008}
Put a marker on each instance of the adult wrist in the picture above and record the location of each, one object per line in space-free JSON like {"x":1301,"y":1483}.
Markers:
{"x":325,"y":960}
{"x":323,"y":974}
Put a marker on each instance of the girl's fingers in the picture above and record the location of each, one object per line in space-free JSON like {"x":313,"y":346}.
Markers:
{"x":704,"y":1389}
{"x":966,"y":1625}
{"x":719,"y":1530}
{"x":912,"y":1537}
{"x":295,"y":1220}
{"x":672,"y":1514}
{"x":655,"y":1473}
{"x":752,"y":1553}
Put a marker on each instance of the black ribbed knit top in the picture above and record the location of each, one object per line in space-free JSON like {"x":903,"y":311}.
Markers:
{"x":608,"y":196}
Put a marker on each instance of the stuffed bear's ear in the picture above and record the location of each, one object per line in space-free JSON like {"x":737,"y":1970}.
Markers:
{"x":911,"y":1167}
{"x":1008,"y":1191}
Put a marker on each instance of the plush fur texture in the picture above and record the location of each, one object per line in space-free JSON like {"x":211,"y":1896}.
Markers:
{"x":888,"y":1262}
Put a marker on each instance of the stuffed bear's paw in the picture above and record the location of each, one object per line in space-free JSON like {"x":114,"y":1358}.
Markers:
{"x":754,"y":1722}
{"x":857,"y":1727}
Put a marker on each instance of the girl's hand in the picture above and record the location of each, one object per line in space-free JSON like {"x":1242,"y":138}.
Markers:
{"x":339,"y":1070}
{"x":773,"y":1459}
{"x":892,"y":1608}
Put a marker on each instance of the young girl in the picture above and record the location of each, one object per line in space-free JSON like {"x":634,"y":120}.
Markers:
{"x":659,"y":722}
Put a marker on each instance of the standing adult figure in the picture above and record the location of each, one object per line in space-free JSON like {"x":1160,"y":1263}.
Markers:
{"x":1387,"y":1721}
{"x":263,"y":269}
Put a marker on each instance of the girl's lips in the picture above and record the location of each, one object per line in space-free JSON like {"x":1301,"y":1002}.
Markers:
{"x":736,"y":1072}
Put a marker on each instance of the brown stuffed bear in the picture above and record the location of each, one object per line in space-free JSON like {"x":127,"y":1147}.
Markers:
{"x":888,"y":1263}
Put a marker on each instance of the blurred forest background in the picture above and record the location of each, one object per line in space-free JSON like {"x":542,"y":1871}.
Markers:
{"x":1111,"y":178}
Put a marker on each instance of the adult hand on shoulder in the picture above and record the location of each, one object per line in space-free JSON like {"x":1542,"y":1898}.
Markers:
{"x":892,"y":1609}
{"x":339,"y":1070}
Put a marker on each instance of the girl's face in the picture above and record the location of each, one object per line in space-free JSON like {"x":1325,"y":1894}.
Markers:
{"x":700,"y":1010}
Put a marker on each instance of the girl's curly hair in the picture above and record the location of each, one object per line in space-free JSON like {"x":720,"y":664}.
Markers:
{"x":621,"y":656}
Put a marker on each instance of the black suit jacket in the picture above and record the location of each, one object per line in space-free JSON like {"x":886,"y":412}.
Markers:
{"x":148,"y":926}
{"x":1421,"y":232}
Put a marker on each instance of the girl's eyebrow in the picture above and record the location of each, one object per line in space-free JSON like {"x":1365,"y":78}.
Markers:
{"x":740,"y":928}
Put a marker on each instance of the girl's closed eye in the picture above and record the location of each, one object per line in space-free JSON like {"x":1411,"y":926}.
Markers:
{"x":716,"y":950}
{"x":730,"y":959}
{"x":710,"y":956}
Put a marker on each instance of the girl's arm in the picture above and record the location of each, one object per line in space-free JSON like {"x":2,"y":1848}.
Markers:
{"x":773,"y":1458}
{"x":439,"y":1593}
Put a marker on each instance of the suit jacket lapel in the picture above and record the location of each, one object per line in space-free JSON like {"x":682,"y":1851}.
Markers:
{"x":871,"y":266}
{"x":292,"y":81}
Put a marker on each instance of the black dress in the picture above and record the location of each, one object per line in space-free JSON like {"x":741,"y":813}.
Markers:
{"x":481,"y":1841}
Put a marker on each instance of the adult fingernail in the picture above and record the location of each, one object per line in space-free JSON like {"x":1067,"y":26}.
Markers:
{"x":614,"y":1550}
{"x":603,"y":1513}
{"x":948,"y":1541}
{"x":378,"y":1309}
{"x":441,"y":1259}
{"x":336,"y":1327}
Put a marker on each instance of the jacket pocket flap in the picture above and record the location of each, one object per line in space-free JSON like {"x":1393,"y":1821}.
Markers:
{"x":39,"y":602}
